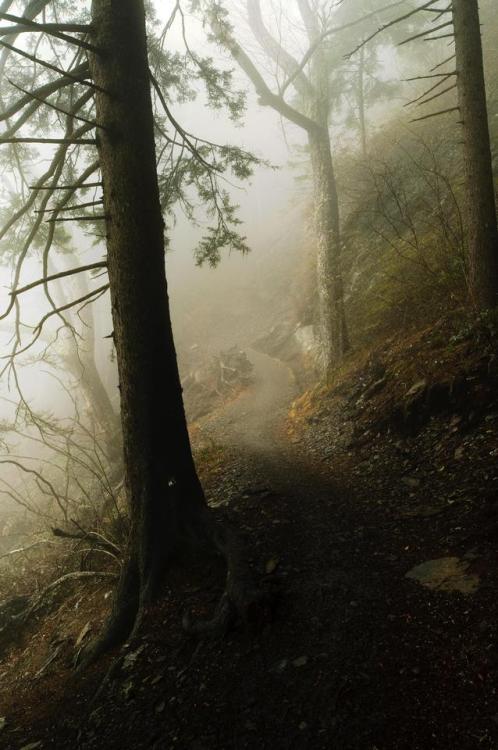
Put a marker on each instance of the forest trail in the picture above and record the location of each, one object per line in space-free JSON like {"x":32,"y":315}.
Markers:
{"x":358,"y":657}
{"x":362,"y":657}
{"x":250,"y":421}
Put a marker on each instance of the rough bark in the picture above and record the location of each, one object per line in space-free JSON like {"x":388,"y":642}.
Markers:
{"x":481,"y":208}
{"x":163,"y":489}
{"x":168,"y":512}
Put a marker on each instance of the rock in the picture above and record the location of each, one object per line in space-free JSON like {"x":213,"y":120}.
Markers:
{"x":412,"y":482}
{"x":459,"y":453}
{"x":280,"y":666}
{"x":374,"y":388}
{"x":416,"y":390}
{"x":3,"y":722}
{"x":271,"y":565}
{"x":301,"y":661}
{"x":445,"y":574}
{"x":83,"y":633}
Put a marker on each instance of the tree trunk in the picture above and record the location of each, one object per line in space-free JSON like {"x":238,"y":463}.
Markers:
{"x":314,"y":93}
{"x":333,"y":334}
{"x":168,"y":511}
{"x":361,"y":103}
{"x":163,"y":489}
{"x":481,"y":220}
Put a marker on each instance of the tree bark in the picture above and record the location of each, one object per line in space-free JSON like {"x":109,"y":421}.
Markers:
{"x":164,"y":492}
{"x":314,"y":93}
{"x":481,"y":209}
{"x":333,"y":333}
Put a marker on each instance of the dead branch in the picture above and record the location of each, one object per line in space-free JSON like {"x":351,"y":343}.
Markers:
{"x":51,"y":29}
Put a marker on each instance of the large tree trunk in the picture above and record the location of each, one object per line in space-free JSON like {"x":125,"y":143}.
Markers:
{"x":163,"y":488}
{"x":168,"y":511}
{"x":481,"y":221}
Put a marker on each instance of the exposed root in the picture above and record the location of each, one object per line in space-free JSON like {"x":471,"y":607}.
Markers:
{"x":243,"y":601}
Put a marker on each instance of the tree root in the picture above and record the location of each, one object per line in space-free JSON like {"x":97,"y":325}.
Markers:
{"x":243,"y":600}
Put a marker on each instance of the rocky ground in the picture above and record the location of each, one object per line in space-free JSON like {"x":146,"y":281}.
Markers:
{"x":372,"y":512}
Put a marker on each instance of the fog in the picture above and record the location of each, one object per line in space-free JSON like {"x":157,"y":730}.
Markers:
{"x":348,"y":230}
{"x":246,"y":296}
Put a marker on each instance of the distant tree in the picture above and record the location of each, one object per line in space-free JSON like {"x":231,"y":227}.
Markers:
{"x":168,"y":512}
{"x":481,"y":207}
{"x":459,"y":22}
{"x":312,"y":88}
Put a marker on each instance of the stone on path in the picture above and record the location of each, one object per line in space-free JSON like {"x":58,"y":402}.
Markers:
{"x":445,"y":574}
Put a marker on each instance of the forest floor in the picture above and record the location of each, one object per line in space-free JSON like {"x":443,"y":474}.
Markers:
{"x":391,"y":467}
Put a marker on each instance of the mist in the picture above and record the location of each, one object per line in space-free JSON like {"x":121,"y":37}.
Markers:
{"x":248,"y":374}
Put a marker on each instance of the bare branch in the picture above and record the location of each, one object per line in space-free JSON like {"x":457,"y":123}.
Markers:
{"x":63,"y":73}
{"x":76,"y":186}
{"x":390,"y":24}
{"x":59,"y":275}
{"x":41,"y":479}
{"x":71,"y":208}
{"x":47,"y":28}
{"x":96,"y":217}
{"x":44,"y":100}
{"x":45,"y":90}
{"x":423,"y":33}
{"x":69,"y":141}
{"x":275,"y":50}
{"x":51,"y":29}
{"x":436,"y":114}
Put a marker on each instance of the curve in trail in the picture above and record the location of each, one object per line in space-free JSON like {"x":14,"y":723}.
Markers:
{"x":250,"y":422}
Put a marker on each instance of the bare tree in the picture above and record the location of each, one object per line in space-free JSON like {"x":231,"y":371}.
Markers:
{"x":312,"y":88}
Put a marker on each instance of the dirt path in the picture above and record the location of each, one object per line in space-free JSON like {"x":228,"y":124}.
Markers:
{"x":250,"y":422}
{"x":363,"y":658}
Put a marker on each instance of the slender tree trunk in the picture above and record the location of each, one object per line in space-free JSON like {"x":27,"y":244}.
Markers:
{"x":314,"y":94}
{"x":481,"y":220}
{"x":361,"y":103}
{"x":333,"y":334}
{"x":162,"y":485}
{"x":335,"y":341}
{"x":79,"y":359}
